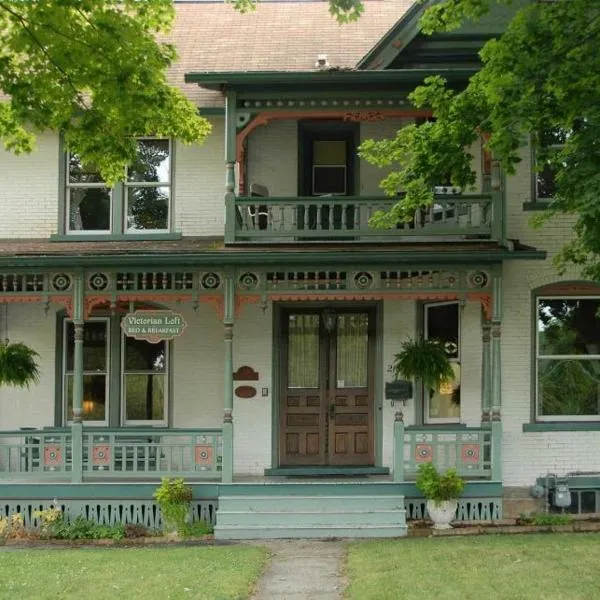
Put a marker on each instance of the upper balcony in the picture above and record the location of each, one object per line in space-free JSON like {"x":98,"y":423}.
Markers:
{"x":264,"y":219}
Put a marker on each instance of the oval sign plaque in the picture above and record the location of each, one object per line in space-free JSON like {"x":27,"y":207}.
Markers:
{"x":153,"y":325}
{"x":245,"y":391}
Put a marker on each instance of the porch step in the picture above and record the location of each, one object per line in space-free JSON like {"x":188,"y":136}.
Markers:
{"x":307,"y":516}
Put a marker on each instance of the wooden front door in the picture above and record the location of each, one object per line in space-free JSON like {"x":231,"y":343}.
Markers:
{"x":326,"y":414}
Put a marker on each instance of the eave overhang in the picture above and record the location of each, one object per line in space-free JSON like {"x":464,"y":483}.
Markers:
{"x":263,"y":257}
{"x":329,"y":80}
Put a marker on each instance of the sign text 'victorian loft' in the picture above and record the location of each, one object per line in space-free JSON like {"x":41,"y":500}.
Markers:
{"x":153,"y":325}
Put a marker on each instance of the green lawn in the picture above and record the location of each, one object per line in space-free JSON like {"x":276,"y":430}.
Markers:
{"x":192,"y":573}
{"x":548,"y":566}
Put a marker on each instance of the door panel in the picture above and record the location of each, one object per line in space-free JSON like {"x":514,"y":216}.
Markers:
{"x":327,"y":401}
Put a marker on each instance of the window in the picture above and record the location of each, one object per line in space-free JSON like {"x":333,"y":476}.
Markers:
{"x":144,"y":381}
{"x":567,"y":358}
{"x":442,"y":322}
{"x":95,"y":370}
{"x":140,"y":203}
{"x":551,"y":142}
{"x":142,"y":369}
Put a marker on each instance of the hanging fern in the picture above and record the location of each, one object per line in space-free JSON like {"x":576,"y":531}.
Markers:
{"x":425,"y":360}
{"x":18,"y":365}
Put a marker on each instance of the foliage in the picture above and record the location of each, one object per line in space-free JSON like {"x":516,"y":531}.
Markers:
{"x":502,"y":567}
{"x":18,"y":366}
{"x":546,"y":519}
{"x":95,"y":71}
{"x":83,"y":529}
{"x":542,"y":75}
{"x":147,"y":573}
{"x":439,"y":487}
{"x":424,"y":359}
{"x":13,"y":528}
{"x":48,"y":517}
{"x":197,"y":529}
{"x":132,"y":530}
{"x":174,"y":498}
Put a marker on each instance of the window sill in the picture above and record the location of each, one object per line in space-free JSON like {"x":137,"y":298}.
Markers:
{"x":117,"y":237}
{"x":562,"y":426}
{"x":538,"y":205}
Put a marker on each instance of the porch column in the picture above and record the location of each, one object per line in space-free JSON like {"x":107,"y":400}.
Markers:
{"x":496,"y":383}
{"x":77,"y":426}
{"x":486,"y":364}
{"x":228,"y":318}
{"x":398,"y":474}
{"x":230,"y":154}
{"x":496,"y":332}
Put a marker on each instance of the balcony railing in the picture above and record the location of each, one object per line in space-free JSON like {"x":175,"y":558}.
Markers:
{"x":346,"y":218}
{"x":94,"y":453}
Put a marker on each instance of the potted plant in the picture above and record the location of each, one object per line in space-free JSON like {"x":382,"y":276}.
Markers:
{"x":442,"y":492}
{"x":426,"y":360}
{"x":18,"y":366}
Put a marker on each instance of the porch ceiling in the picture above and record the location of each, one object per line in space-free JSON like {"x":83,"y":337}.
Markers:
{"x":40,"y":253}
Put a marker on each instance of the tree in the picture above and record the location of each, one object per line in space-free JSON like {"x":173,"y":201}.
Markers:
{"x":94,"y":70}
{"x":539,"y":80}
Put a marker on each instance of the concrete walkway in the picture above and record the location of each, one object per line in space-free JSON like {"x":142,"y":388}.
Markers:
{"x":302,"y":570}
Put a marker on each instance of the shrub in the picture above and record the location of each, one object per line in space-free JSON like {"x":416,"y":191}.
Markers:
{"x":439,"y":487}
{"x":174,"y":498}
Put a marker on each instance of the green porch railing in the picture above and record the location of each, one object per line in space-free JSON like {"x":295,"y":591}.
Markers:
{"x":92,"y":453}
{"x":153,"y":452}
{"x":346,"y":218}
{"x":27,"y":451}
{"x":470,"y":450}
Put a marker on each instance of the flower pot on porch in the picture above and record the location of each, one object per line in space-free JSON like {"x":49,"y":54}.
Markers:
{"x":442,"y":512}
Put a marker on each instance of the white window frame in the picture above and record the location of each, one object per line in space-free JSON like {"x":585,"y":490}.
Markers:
{"x":119,"y":199}
{"x":106,"y":372}
{"x":426,"y":400}
{"x":147,"y":422}
{"x":537,"y":357}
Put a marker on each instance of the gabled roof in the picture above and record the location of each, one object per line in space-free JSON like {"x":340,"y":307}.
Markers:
{"x":277,"y":36}
{"x":405,"y":47}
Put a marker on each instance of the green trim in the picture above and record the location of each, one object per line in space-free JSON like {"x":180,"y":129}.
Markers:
{"x":275,"y":384}
{"x":378,"y":384}
{"x":561,"y":426}
{"x":406,"y":28}
{"x":62,"y":186}
{"x":218,"y":80}
{"x":244,"y":256}
{"x":105,"y":490}
{"x":537,"y":205}
{"x":61,"y":315}
{"x":209,"y":111}
{"x":436,"y":426}
{"x":115,"y":237}
{"x":115,"y":374}
{"x":333,"y":471}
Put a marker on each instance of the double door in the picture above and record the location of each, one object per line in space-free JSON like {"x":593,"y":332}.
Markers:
{"x":326,"y":366}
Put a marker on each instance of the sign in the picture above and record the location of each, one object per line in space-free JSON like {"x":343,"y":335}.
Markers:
{"x":398,"y":390}
{"x":153,"y":325}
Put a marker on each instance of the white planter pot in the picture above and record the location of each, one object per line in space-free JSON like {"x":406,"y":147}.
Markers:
{"x":441,"y":513}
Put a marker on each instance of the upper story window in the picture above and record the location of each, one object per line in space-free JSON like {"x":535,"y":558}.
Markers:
{"x":141,"y":203}
{"x":567,"y":360}
{"x":551,"y":142}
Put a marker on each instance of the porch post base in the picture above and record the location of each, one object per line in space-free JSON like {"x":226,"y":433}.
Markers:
{"x":77,"y":452}
{"x":227,"y":472}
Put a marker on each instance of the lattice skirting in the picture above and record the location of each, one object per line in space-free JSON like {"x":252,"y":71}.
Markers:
{"x":469,"y":509}
{"x":108,"y":512}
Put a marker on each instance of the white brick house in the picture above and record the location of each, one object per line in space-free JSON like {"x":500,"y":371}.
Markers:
{"x":294,"y":306}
